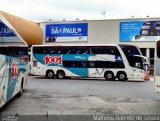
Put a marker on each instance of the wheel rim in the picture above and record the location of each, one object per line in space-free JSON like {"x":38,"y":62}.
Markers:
{"x":109,"y":76}
{"x":50,"y":74}
{"x":61,"y":75}
{"x":122,"y":76}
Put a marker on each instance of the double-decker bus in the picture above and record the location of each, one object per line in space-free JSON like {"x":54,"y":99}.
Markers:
{"x":109,"y":61}
{"x":13,"y":63}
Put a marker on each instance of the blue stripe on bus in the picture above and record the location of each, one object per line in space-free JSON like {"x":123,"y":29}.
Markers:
{"x":80,"y":57}
{"x":83,"y":72}
{"x":72,"y":57}
{"x":13,"y":82}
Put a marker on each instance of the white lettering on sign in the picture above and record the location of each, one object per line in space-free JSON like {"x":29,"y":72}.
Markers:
{"x":57,"y":30}
{"x":5,"y":30}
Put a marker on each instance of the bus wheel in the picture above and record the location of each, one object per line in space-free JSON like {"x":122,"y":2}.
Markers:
{"x":21,"y":90}
{"x":122,"y":76}
{"x":109,"y":75}
{"x":49,"y":74}
{"x":60,"y":75}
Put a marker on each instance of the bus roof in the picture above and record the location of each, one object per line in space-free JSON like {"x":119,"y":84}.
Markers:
{"x":77,"y":45}
{"x":82,"y":45}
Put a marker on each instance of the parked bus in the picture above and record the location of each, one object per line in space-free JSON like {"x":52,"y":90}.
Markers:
{"x":157,"y":67}
{"x":13,"y":64}
{"x":109,"y":61}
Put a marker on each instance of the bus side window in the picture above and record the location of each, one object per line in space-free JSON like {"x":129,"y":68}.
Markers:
{"x":59,"y":52}
{"x":52,"y":51}
{"x":4,"y":50}
{"x":158,"y":49}
{"x":84,"y":64}
{"x":20,"y":53}
{"x":91,"y":64}
{"x":35,"y":50}
{"x":86,"y":52}
{"x":116,"y":51}
{"x":78,"y":52}
{"x":94,"y":50}
{"x":69,"y":52}
{"x":112,"y":51}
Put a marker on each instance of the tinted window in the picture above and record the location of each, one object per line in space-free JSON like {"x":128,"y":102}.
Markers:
{"x":82,"y":50}
{"x":136,"y":62}
{"x":130,"y":50}
{"x":77,"y":50}
{"x":36,"y":50}
{"x":14,"y":51}
{"x":92,"y":64}
{"x":158,"y":49}
{"x":61,"y":50}
{"x":112,"y":50}
{"x":4,"y":50}
{"x":69,"y":50}
{"x":46,"y":50}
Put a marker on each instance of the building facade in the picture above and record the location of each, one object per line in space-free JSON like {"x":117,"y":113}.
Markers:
{"x":142,"y":32}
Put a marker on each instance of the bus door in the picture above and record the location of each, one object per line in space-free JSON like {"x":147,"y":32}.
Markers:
{"x":138,"y":68}
{"x":36,"y":67}
{"x":137,"y":74}
{"x":39,"y":67}
{"x":157,"y":67}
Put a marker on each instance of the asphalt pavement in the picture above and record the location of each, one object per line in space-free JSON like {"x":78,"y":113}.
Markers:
{"x":85,"y":96}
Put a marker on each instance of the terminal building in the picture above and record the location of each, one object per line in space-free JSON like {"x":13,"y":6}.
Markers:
{"x":142,"y":32}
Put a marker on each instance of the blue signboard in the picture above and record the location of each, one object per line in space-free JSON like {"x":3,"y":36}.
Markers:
{"x":7,"y":35}
{"x":66,"y":32}
{"x":139,"y":31}
{"x":5,"y":31}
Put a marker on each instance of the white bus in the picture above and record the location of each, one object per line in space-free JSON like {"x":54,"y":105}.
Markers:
{"x":109,"y":61}
{"x":157,"y":67}
{"x":13,"y":64}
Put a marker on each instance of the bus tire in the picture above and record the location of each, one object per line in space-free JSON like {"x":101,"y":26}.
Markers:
{"x":109,"y":75}
{"x":122,"y":76}
{"x":21,"y":89}
{"x":49,"y":74}
{"x":60,"y":74}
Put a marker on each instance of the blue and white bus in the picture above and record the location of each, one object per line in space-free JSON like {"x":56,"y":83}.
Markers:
{"x":13,"y":63}
{"x":109,"y":61}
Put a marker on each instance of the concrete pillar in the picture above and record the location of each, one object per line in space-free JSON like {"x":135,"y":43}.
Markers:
{"x":147,"y":52}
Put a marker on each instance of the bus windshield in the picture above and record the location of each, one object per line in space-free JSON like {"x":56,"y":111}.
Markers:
{"x":136,"y":62}
{"x":130,"y":53}
{"x":130,"y":50}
